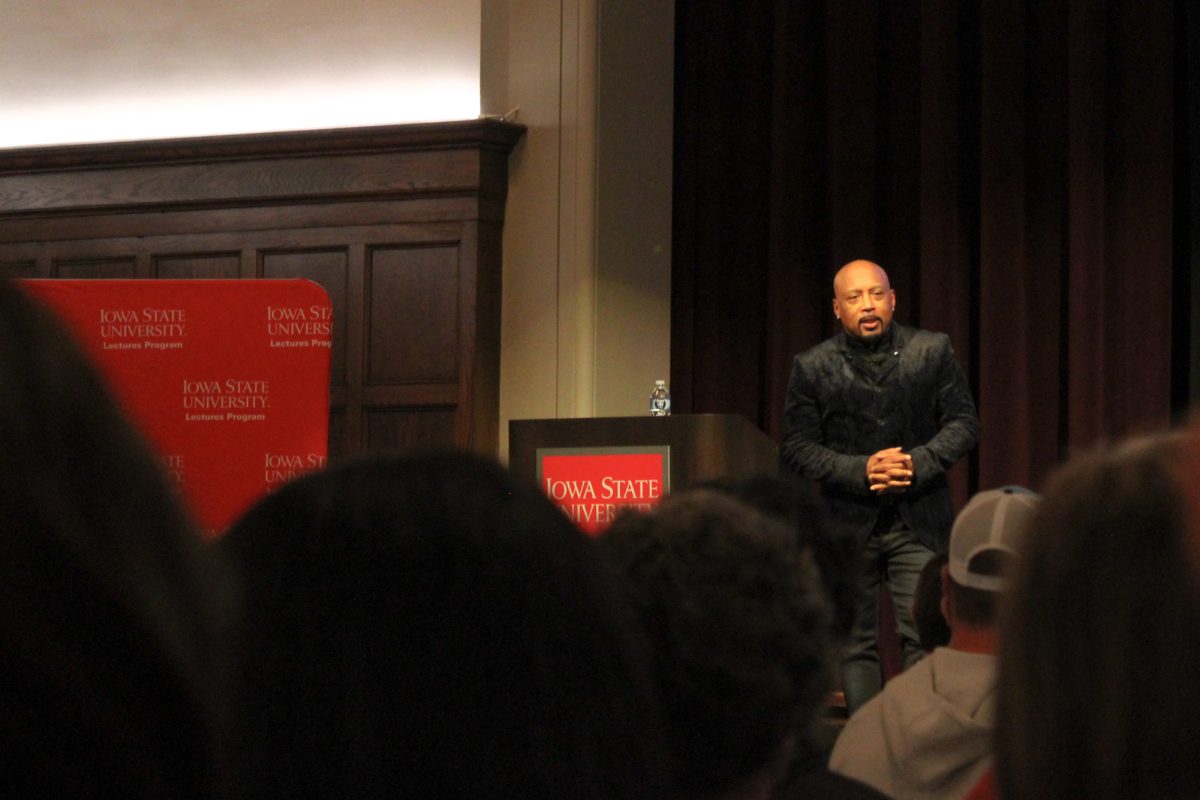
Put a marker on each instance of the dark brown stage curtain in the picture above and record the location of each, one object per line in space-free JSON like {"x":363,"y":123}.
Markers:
{"x":1012,"y":164}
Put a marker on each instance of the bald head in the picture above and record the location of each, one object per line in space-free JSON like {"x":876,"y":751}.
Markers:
{"x":856,"y":270}
{"x":863,"y":299}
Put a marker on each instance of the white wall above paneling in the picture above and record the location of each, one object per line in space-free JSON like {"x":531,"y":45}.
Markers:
{"x":74,"y":71}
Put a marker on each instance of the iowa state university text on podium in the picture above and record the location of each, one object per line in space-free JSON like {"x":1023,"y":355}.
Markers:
{"x":681,"y":449}
{"x":591,"y":484}
{"x":228,"y":379}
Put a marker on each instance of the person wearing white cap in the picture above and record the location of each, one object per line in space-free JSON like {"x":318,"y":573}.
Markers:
{"x":929,"y":733}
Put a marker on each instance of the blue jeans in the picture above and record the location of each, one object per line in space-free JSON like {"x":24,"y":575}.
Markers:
{"x":892,"y":553}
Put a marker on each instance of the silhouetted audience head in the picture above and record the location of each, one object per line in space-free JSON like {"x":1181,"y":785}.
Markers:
{"x":111,"y":608}
{"x":425,"y":626}
{"x":1099,"y":645}
{"x":741,"y":630}
{"x":932,"y":629}
{"x":834,"y":551}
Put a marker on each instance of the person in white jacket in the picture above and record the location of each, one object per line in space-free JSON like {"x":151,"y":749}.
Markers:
{"x":929,"y":733}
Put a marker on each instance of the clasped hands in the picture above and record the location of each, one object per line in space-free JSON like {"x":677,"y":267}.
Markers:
{"x":889,"y":471}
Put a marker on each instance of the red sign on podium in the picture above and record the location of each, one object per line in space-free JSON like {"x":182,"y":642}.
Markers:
{"x":227,"y":379}
{"x":593,"y":484}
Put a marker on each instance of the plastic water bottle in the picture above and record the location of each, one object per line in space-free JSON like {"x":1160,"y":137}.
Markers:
{"x":660,"y":400}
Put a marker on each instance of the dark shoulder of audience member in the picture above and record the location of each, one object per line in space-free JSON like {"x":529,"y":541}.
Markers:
{"x":932,"y":629}
{"x":1099,"y":644}
{"x":741,"y":633}
{"x":113,"y":612}
{"x":425,"y":626}
{"x":834,"y":551}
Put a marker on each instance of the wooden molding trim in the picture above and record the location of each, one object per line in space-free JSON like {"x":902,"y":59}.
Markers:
{"x":384,"y":162}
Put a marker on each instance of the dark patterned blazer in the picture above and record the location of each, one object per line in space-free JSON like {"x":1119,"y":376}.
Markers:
{"x":835,"y":416}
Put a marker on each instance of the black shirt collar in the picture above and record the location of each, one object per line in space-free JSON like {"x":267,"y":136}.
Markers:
{"x":872,"y":346}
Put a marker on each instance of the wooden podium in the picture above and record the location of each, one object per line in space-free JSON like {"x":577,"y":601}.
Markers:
{"x":700,"y":446}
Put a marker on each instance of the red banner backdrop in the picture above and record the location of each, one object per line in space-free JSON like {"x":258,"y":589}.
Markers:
{"x":592,"y":484}
{"x":228,"y":379}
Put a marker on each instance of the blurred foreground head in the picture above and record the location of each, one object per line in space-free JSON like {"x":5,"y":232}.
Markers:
{"x":425,"y":626}
{"x":741,"y":628}
{"x":110,"y":607}
{"x":834,"y":551}
{"x":1101,"y":640}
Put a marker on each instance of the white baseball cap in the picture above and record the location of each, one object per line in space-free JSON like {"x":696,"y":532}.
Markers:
{"x":993,"y":520}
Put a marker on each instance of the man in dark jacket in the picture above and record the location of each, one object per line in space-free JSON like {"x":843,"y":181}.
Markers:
{"x":877,"y":414}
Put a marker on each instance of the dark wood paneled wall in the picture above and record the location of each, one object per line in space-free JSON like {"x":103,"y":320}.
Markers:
{"x":400,"y":224}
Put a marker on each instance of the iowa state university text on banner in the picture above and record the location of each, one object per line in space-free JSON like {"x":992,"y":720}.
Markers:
{"x":228,"y":379}
{"x":591,"y":484}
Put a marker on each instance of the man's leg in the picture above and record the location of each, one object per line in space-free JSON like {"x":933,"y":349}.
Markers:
{"x":903,"y":557}
{"x":861,"y":675}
